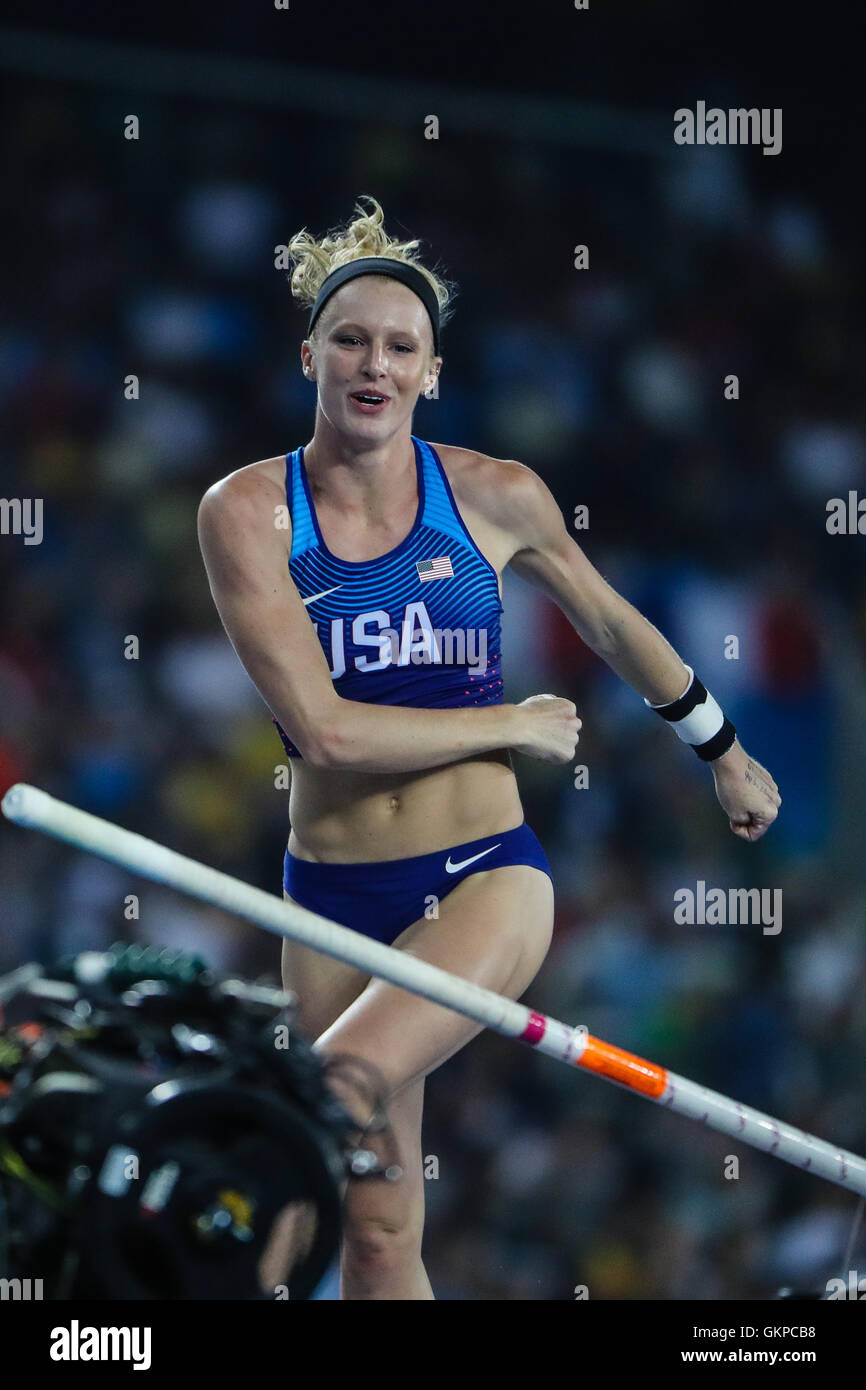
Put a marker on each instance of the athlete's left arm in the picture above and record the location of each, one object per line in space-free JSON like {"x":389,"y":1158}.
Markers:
{"x":546,"y":556}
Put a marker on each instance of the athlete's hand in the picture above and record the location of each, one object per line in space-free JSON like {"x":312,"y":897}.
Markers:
{"x":746,"y":791}
{"x":549,"y":728}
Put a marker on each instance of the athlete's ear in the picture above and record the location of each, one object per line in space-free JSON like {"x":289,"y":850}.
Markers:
{"x":308,"y":365}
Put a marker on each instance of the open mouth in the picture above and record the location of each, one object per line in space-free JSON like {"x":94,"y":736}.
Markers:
{"x":369,"y":401}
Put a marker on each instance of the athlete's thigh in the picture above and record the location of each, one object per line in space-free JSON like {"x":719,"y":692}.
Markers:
{"x":487,"y":918}
{"x":324,"y":986}
{"x":494,"y":929}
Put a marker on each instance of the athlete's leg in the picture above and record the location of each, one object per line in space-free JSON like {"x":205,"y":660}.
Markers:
{"x":493,"y":928}
{"x":383,"y":1221}
{"x":325,"y":987}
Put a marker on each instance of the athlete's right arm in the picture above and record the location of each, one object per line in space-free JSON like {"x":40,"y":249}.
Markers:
{"x":246,"y":558}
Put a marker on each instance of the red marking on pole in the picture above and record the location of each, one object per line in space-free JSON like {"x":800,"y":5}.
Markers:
{"x":535,"y":1029}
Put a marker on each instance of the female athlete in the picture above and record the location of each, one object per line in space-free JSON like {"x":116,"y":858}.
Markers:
{"x":359,"y":580}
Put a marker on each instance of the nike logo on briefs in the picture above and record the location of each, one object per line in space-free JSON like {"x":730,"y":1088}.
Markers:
{"x":464,"y":863}
{"x":323,"y":594}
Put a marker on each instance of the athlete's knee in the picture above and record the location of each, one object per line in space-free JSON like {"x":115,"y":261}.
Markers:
{"x":376,"y":1247}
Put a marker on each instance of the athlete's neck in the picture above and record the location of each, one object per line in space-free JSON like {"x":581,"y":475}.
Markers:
{"x":352,"y":469}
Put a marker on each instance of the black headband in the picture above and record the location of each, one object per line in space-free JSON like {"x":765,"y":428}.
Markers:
{"x":408,"y":275}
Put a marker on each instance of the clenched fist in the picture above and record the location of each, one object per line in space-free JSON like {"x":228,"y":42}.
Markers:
{"x":747,"y":792}
{"x":549,"y":728}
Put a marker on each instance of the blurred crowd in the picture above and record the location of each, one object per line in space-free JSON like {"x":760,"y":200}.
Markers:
{"x":152,"y":261}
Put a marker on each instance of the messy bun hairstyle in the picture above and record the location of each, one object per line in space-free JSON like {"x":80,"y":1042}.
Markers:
{"x":314,"y":258}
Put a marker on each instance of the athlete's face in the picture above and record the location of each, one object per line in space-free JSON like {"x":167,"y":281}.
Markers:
{"x":373,"y":339}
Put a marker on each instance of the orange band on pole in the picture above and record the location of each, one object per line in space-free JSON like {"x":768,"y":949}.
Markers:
{"x":625,"y":1067}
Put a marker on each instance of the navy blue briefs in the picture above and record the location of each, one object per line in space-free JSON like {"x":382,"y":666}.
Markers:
{"x":381,"y":899}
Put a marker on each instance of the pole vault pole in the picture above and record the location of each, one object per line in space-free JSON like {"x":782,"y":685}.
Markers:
{"x":28,"y":806}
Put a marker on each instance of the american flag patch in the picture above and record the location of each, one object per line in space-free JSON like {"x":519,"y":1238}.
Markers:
{"x":440,"y":568}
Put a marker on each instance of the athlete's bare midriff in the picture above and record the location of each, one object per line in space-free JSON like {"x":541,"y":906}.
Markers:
{"x":351,"y":817}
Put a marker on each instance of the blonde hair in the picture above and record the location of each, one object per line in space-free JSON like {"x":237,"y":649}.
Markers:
{"x":314,"y":258}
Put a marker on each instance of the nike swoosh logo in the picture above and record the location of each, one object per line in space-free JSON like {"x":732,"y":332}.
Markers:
{"x":313,"y":597}
{"x":455,"y":868}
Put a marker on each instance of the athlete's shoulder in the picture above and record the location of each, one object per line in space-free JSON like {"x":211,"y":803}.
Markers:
{"x":501,"y":489}
{"x":242,"y":509}
{"x":254,"y":485}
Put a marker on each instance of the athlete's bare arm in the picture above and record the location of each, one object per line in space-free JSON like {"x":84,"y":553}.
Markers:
{"x":535,"y":542}
{"x":246,"y":557}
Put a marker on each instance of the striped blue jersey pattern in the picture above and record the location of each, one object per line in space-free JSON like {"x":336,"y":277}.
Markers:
{"x":417,"y":626}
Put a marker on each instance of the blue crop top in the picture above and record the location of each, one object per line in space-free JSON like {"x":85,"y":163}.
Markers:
{"x":417,"y":626}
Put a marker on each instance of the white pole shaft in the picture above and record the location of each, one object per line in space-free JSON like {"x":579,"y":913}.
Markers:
{"x":34,"y":809}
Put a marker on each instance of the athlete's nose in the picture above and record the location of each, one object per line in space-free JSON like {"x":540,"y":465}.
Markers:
{"x":375,"y":362}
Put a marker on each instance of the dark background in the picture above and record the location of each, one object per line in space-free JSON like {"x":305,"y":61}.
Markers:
{"x":156,"y":257}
